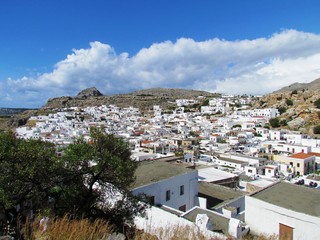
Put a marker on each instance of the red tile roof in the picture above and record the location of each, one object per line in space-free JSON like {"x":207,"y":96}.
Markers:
{"x":315,"y":154}
{"x":301,"y":155}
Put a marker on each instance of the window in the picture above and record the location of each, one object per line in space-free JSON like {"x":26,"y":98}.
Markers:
{"x":181,"y":190}
{"x":238,"y":210}
{"x":298,"y":164}
{"x":167,"y":195}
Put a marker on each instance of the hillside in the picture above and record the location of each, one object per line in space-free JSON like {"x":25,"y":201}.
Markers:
{"x":314,"y":85}
{"x":143,"y":99}
{"x":298,"y":103}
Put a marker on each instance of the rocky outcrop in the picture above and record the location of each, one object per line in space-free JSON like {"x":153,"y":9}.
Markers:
{"x":89,"y":92}
{"x":297,"y":103}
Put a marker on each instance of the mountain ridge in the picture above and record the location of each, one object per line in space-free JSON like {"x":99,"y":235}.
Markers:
{"x":143,"y":99}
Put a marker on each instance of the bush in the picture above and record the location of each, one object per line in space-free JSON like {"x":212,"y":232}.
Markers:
{"x":283,"y":122}
{"x":294,"y":92}
{"x":274,"y":122}
{"x":316,"y":129}
{"x":282,"y":110}
{"x":289,"y":102}
{"x":317,"y":103}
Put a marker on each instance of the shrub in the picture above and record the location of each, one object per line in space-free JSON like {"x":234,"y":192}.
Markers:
{"x":283,"y":122}
{"x":316,"y":129}
{"x":289,"y":102}
{"x":294,"y":92}
{"x":282,"y":110}
{"x":317,"y":103}
{"x":274,"y":122}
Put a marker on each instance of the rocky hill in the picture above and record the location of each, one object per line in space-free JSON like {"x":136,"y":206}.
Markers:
{"x":297,"y":102}
{"x":314,"y":85}
{"x":143,"y":99}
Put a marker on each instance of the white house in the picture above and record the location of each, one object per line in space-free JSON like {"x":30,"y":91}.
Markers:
{"x":287,"y":210}
{"x":167,"y":184}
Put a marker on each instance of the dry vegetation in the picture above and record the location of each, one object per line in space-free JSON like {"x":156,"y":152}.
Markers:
{"x":68,"y":229}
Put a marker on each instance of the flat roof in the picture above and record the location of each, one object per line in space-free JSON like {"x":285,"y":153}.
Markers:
{"x":219,"y":222}
{"x":232,"y":160}
{"x":210,"y":174}
{"x":156,"y":170}
{"x":294,"y":197}
{"x":218,"y":191}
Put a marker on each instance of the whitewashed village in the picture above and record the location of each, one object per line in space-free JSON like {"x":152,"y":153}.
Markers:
{"x":220,"y":169}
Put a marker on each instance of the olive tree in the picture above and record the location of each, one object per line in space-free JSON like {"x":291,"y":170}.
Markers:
{"x":92,"y":179}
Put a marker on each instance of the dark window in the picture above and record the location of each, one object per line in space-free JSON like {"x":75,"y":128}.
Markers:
{"x":167,"y":195}
{"x":181,"y":189}
{"x":298,"y":164}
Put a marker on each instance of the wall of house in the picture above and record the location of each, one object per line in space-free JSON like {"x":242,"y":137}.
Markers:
{"x":265,"y":218}
{"x":298,"y":165}
{"x":159,"y":189}
{"x":239,"y":204}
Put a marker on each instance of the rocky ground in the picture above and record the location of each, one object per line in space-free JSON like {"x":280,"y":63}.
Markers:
{"x":298,"y":103}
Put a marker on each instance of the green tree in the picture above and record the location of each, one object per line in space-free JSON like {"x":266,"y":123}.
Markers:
{"x":90,"y":180}
{"x":274,"y":122}
{"x":28,"y":171}
{"x":97,"y":172}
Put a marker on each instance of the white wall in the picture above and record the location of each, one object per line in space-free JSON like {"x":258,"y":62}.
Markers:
{"x":264,"y":218}
{"x":158,"y":190}
{"x":237,"y":203}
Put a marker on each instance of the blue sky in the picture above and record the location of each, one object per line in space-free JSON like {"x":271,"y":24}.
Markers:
{"x":54,"y":48}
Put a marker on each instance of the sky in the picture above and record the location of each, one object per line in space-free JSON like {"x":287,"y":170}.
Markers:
{"x":53,"y":48}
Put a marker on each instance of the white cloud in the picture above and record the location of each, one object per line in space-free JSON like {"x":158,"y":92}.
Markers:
{"x":256,"y":66}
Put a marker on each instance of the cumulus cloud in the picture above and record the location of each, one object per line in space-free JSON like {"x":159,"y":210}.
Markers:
{"x":257,"y":66}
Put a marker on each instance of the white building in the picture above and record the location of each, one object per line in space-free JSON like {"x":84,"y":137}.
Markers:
{"x":167,"y":184}
{"x":286,"y":210}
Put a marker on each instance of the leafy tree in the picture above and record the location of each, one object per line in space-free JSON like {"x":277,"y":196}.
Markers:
{"x":274,"y":122}
{"x":97,"y":172}
{"x":28,"y":171}
{"x":90,"y":180}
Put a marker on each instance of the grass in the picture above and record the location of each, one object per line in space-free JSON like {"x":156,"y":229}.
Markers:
{"x":69,"y":229}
